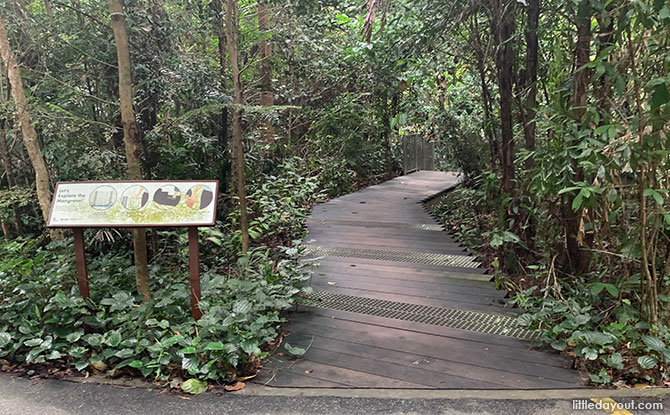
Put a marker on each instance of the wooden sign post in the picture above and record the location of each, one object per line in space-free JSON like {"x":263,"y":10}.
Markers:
{"x":136,"y":204}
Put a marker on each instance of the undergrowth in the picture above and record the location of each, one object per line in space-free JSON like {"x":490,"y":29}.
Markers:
{"x":597,"y":318}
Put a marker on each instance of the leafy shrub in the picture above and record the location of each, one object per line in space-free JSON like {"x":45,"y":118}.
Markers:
{"x":43,"y":318}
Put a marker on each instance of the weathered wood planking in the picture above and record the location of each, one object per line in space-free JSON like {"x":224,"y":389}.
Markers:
{"x":353,"y":349}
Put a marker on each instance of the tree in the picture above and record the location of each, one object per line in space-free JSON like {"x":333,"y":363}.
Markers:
{"x":503,"y":29}
{"x":232,"y":37}
{"x":220,"y":30}
{"x":578,"y":258}
{"x":265,"y":69}
{"x":130,"y":138}
{"x":30,"y":140}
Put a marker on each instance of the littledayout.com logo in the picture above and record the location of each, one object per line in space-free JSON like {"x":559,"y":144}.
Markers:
{"x":609,"y":405}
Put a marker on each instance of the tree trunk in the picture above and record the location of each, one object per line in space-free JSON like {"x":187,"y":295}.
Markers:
{"x":489,"y":129}
{"x":130,"y":138}
{"x":265,"y":70}
{"x":217,"y":7}
{"x":578,"y":259}
{"x":527,"y":110}
{"x":504,"y":32}
{"x":370,"y":16}
{"x":530,"y":77}
{"x":30,"y":140}
{"x":232,"y":36}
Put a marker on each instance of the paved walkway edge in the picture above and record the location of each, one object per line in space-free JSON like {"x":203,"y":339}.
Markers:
{"x":259,"y":390}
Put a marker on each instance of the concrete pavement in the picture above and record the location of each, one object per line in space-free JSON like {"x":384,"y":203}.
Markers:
{"x":20,"y":396}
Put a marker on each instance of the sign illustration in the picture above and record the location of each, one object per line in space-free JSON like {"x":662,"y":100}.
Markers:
{"x":134,"y":204}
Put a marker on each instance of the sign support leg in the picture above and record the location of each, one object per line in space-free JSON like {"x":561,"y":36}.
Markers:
{"x":82,"y":269}
{"x":194,"y":270}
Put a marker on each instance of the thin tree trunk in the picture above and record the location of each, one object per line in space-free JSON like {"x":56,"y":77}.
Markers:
{"x":30,"y":140}
{"x":504,"y":32}
{"x":647,"y":254}
{"x":489,"y":129}
{"x":217,"y":7}
{"x":265,"y":70}
{"x":232,"y":38}
{"x":130,"y":138}
{"x":578,"y":259}
{"x":530,"y":78}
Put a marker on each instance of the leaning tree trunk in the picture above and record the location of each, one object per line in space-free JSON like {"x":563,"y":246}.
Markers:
{"x":130,"y":138}
{"x":30,"y":140}
{"x":370,"y":15}
{"x":265,"y":70}
{"x":232,"y":38}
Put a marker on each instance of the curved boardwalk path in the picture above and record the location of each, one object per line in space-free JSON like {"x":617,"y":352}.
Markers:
{"x":398,"y":303}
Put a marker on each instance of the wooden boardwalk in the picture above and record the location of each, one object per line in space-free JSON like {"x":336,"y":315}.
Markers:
{"x":399,"y":303}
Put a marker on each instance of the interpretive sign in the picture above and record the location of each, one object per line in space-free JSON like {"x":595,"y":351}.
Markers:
{"x":133,"y":204}
{"x":136,"y":204}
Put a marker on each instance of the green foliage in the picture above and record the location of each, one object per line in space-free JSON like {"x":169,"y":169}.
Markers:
{"x":42,"y":315}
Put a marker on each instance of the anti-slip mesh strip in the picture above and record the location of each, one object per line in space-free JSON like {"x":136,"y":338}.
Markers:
{"x":437,"y":316}
{"x":398,"y":256}
{"x":390,"y":225}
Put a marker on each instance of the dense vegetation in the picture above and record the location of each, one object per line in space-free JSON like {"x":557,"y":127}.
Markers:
{"x":555,"y":112}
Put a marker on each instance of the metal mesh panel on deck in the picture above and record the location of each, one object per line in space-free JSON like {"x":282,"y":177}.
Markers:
{"x":399,"y":256}
{"x":363,"y":224}
{"x":437,"y":316}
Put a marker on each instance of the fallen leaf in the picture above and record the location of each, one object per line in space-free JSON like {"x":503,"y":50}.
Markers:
{"x":234,"y":387}
{"x":641,"y":386}
{"x":309,"y":371}
{"x":281,"y":354}
{"x":243,"y":378}
{"x":87,"y":375}
{"x":194,"y":386}
{"x":331,"y":283}
{"x":185,"y":397}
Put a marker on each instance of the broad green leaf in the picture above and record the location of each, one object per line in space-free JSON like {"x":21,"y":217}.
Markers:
{"x":295,"y":351}
{"x":242,"y":307}
{"x":524,"y":320}
{"x":251,"y":346}
{"x":577,"y":201}
{"x":74,"y":336}
{"x":214,"y":346}
{"x":33,"y":342}
{"x":5,"y":339}
{"x":615,"y":360}
{"x":660,"y":96}
{"x":94,"y":339}
{"x":114,"y":338}
{"x":124,"y":353}
{"x":559,"y":344}
{"x":647,"y":362}
{"x":654,"y":343}
{"x":194,"y":386}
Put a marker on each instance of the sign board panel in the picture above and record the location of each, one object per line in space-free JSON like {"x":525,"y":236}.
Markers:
{"x":134,"y":204}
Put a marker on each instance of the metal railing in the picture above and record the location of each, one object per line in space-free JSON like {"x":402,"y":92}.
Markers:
{"x":418,"y":154}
